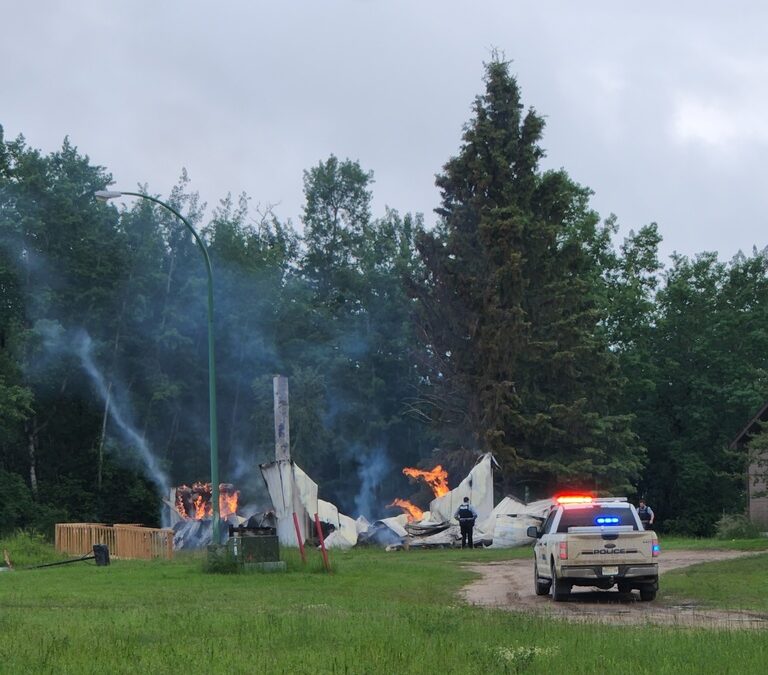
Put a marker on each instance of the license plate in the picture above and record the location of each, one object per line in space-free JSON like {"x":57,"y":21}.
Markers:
{"x":610,"y":571}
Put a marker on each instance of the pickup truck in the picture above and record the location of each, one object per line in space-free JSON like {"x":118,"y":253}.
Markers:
{"x":587,"y":541}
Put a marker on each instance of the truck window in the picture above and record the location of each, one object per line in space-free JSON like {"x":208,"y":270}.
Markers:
{"x":588,"y":516}
{"x":548,"y":522}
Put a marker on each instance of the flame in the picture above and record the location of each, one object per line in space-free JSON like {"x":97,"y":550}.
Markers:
{"x":228,"y":503}
{"x":194,"y":503}
{"x":437,"y":479}
{"x":180,"y":504}
{"x":413,"y":511}
{"x":200,"y":507}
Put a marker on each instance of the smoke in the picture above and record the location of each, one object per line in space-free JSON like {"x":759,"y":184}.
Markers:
{"x":58,"y":343}
{"x":371,"y":472}
{"x":120,"y":414}
{"x":245,"y":474}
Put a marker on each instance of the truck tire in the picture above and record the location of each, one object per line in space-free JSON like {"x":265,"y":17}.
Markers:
{"x":540,"y":586}
{"x":647,"y":594}
{"x":560,"y":589}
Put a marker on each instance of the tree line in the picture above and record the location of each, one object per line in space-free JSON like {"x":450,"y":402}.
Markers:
{"x":515,"y":326}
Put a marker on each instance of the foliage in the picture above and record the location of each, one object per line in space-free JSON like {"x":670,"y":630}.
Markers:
{"x":219,"y":560}
{"x":512,"y":306}
{"x":105,"y":346}
{"x":514,"y":326}
{"x":28,"y":548}
{"x":736,"y":526}
{"x":704,"y":390}
{"x":16,"y":505}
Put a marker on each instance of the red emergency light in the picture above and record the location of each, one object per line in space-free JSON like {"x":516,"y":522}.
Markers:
{"x":574,"y":499}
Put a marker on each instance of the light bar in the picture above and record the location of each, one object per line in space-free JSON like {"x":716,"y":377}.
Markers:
{"x":575,"y":499}
{"x":607,"y":520}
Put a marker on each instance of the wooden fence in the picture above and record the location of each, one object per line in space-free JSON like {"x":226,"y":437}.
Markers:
{"x":124,"y":541}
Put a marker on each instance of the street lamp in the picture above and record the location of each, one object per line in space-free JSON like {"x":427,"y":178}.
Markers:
{"x":105,"y":195}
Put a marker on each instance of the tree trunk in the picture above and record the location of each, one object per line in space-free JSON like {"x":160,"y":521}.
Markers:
{"x":103,"y":436}
{"x":32,"y":448}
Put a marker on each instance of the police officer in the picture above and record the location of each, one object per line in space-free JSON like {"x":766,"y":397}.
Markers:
{"x":646,"y":514}
{"x":466,"y":515}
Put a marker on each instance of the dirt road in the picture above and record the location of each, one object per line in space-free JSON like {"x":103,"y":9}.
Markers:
{"x":509,"y":586}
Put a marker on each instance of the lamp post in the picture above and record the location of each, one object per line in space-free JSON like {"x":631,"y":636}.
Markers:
{"x":105,"y":195}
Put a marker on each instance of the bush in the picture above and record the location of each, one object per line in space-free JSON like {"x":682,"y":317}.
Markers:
{"x":219,"y":560}
{"x":736,"y":526}
{"x":17,"y":505}
{"x":28,"y":548}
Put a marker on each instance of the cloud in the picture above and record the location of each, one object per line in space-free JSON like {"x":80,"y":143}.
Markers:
{"x":719,"y":123}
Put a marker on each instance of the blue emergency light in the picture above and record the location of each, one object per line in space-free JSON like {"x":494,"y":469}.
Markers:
{"x":607,"y":520}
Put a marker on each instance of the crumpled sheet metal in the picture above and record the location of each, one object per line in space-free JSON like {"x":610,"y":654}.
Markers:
{"x":478,"y":486}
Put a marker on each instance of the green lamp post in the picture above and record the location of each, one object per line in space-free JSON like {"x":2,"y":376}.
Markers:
{"x":105,"y":195}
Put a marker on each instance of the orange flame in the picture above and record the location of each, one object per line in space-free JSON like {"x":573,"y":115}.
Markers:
{"x":200,"y":507}
{"x":413,"y":511}
{"x":437,"y":479}
{"x":228,"y":503}
{"x":194,"y":503}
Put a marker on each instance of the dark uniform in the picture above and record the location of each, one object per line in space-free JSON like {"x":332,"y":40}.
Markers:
{"x":646,"y":515}
{"x":466,"y":515}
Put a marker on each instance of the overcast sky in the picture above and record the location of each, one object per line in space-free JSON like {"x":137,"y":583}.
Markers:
{"x":660,"y":108}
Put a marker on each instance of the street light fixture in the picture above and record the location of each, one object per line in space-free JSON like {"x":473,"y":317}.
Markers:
{"x":106,"y":195}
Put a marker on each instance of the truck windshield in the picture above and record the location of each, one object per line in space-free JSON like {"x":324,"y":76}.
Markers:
{"x":588,"y":516}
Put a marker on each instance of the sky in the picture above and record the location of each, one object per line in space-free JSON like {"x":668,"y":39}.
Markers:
{"x":660,"y":108}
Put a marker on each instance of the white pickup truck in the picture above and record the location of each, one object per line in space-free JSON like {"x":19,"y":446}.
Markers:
{"x":586,"y":541}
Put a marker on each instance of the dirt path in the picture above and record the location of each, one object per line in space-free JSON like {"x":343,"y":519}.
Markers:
{"x":509,"y":585}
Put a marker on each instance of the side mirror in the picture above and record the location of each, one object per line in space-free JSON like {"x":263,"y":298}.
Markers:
{"x":532,"y":531}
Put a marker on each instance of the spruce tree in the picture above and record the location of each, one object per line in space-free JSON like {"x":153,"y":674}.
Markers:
{"x":511,"y":308}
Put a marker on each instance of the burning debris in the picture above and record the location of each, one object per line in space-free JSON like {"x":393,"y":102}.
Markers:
{"x":191,"y":513}
{"x":437,"y":479}
{"x":413,"y":512}
{"x":299,"y":515}
{"x":194,"y":503}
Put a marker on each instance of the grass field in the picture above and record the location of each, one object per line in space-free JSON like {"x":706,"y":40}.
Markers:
{"x":377,"y":613}
{"x":732,"y":584}
{"x":689,"y":543}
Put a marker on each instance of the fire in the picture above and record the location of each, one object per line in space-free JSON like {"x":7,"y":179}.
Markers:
{"x":413,"y":511}
{"x":194,"y":503}
{"x":228,"y":503}
{"x":437,"y":479}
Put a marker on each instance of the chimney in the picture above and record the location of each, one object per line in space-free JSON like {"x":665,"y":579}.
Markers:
{"x":282,"y":431}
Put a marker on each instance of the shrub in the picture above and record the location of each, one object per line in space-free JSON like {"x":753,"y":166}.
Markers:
{"x":219,"y":560}
{"x":16,"y":505}
{"x":28,"y":548}
{"x":736,"y":526}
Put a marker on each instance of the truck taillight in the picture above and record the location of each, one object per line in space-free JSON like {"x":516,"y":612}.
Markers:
{"x":563,"y":550}
{"x":655,"y":548}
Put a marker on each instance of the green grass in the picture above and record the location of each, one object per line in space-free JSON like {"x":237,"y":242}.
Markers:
{"x":673,"y":543}
{"x":377,"y":613}
{"x":733,"y":584}
{"x":28,"y":549}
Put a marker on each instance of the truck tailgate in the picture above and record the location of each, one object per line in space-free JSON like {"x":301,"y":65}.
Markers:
{"x":600,"y":546}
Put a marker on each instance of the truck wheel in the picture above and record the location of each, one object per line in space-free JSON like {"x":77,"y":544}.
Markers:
{"x":540,"y":586}
{"x":648,"y":594}
{"x":560,"y":590}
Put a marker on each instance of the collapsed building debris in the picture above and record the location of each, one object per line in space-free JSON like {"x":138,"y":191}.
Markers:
{"x":294,"y":497}
{"x":296,"y":506}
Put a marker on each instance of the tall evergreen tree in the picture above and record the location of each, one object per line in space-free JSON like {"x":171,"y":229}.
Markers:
{"x":511,"y":302}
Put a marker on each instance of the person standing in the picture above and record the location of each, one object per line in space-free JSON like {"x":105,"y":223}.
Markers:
{"x":646,"y":514}
{"x":466,"y":515}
